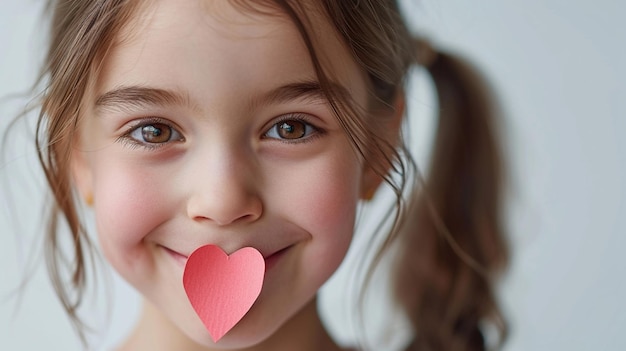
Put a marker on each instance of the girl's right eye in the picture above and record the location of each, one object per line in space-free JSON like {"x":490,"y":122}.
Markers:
{"x":152,"y":134}
{"x":293,"y":129}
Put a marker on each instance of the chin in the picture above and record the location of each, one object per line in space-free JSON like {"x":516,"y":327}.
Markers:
{"x":255,"y":328}
{"x":240,"y":337}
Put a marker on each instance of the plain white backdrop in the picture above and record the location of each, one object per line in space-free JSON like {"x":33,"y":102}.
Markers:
{"x":558,"y":67}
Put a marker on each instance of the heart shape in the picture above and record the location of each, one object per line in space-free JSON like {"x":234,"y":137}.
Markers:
{"x":223,"y":288}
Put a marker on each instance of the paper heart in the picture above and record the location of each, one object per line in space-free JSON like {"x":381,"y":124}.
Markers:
{"x":223,"y":288}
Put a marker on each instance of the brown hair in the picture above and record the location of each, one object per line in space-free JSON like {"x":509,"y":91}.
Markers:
{"x":453,"y":242}
{"x":81,"y":32}
{"x":453,"y":238}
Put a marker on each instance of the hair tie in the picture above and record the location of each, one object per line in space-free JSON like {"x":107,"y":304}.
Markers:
{"x":425,"y":54}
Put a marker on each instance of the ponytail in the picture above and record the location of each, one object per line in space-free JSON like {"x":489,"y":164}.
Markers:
{"x":452,"y":239}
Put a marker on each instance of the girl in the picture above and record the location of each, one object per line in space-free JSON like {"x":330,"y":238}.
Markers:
{"x":263,"y":124}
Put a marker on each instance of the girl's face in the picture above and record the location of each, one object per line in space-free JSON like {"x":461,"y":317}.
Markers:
{"x":207,"y":126}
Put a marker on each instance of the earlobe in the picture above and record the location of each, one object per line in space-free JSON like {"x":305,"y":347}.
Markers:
{"x":88,"y":199}
{"x":82,"y":176}
{"x":371,"y":180}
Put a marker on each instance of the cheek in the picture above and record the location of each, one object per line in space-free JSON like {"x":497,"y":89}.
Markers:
{"x":129,"y":202}
{"x":322,"y":197}
{"x":332,"y":205}
{"x":332,"y":219}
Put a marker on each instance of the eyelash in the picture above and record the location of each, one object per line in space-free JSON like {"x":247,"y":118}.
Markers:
{"x":298,"y":117}
{"x":128,"y":140}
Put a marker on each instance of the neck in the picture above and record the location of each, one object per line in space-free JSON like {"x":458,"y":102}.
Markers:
{"x":303,"y":332}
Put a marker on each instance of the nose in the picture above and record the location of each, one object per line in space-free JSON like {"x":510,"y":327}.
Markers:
{"x":224,"y":191}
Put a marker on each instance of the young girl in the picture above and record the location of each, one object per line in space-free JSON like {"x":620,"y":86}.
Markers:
{"x":263,"y":124}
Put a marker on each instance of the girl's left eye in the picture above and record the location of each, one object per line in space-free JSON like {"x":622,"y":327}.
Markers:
{"x":152,"y":133}
{"x":291,"y":129}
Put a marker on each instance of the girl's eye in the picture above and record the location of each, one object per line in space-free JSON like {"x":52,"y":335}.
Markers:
{"x":291,"y":130}
{"x":153,"y":134}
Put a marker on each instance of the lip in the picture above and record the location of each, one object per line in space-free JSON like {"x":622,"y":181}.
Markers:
{"x":270,"y":260}
{"x":180,"y":258}
{"x":273,"y":259}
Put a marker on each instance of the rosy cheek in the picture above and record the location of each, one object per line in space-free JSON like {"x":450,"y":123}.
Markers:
{"x":322,"y":199}
{"x":335,"y":216}
{"x":128,"y":202}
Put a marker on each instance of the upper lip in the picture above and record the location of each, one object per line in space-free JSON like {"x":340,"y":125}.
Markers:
{"x":267,"y":241}
{"x":266,"y":253}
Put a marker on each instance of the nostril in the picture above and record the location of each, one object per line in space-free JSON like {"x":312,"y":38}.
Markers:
{"x":224,"y":198}
{"x":225,"y":212}
{"x":250,"y":217}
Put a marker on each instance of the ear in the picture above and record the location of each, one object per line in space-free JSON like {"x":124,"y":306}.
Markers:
{"x":82,"y":175}
{"x":370,"y":181}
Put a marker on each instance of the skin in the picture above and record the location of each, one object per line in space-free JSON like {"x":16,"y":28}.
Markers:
{"x":204,"y":164}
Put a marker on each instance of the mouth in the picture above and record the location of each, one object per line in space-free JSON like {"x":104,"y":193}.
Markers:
{"x":178,"y":257}
{"x":270,"y":260}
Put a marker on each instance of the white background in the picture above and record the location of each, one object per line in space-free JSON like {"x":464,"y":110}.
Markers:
{"x":558,"y":67}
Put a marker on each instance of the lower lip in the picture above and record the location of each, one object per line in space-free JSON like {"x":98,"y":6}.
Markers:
{"x":181,"y":259}
{"x":271,"y":261}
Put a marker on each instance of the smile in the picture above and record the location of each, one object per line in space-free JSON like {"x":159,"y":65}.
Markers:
{"x":270,"y":260}
{"x":180,"y":258}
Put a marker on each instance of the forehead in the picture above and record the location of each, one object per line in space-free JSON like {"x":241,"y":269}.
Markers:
{"x":224,"y":45}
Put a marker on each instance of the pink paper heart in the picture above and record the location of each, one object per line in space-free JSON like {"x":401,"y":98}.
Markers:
{"x":223,"y":288}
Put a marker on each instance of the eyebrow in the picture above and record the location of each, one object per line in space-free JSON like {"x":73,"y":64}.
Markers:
{"x":309,"y":90}
{"x":135,"y":96}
